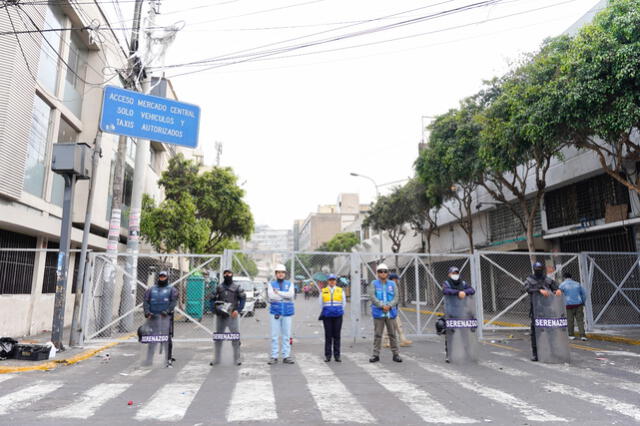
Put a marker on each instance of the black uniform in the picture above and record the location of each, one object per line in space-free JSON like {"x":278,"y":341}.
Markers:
{"x":534,"y":284}
{"x":234,"y":294}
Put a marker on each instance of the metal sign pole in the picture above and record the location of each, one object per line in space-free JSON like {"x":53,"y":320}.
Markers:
{"x":62,"y":270}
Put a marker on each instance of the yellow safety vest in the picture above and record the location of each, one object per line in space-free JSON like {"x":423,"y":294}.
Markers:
{"x":332,"y":306}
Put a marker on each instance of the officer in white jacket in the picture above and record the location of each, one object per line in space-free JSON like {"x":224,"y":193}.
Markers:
{"x":281,"y":293}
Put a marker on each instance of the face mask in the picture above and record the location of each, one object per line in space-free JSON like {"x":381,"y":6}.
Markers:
{"x":538,"y":274}
{"x":228,"y":279}
{"x":163,"y":282}
{"x":455,"y":277}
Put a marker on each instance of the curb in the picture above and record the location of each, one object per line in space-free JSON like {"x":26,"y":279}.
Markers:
{"x":614,"y":339}
{"x":50,"y":365}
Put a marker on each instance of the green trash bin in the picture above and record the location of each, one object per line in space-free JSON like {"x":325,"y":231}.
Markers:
{"x":195,"y":296}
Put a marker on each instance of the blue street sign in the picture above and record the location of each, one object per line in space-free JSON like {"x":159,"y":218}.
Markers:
{"x":137,"y":115}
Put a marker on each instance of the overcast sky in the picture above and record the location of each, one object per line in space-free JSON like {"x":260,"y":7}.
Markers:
{"x":294,"y":127}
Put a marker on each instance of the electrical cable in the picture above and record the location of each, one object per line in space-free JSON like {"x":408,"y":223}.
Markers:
{"x":266,"y":56}
{"x":26,"y":61}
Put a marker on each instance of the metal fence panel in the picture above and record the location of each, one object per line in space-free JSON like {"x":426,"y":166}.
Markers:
{"x":502,"y":274}
{"x":614,"y":280}
{"x":108,"y":315}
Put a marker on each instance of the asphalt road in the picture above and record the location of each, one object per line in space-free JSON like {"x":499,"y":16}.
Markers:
{"x":600,"y":386}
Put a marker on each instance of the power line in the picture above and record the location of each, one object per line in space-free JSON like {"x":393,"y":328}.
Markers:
{"x":26,"y":61}
{"x":69,"y":68}
{"x":267,"y":55}
{"x":285,"y":49}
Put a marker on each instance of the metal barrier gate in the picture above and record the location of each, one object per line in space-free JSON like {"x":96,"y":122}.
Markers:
{"x":113,"y":309}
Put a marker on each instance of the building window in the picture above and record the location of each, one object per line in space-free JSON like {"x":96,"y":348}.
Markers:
{"x":154,"y":158}
{"x":66,"y":134}
{"x":584,"y":202}
{"x":35,"y":168}
{"x":504,"y":225}
{"x":75,"y":75}
{"x":49,"y":280}
{"x":48,"y":67}
{"x":16,"y":267}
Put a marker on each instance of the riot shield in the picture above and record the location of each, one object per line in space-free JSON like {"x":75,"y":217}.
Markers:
{"x":462,"y":340}
{"x":550,"y":321}
{"x":155,"y":337}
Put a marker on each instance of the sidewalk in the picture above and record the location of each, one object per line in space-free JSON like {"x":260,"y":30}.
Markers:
{"x":69,"y":356}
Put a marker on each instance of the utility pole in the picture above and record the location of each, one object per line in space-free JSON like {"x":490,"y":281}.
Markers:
{"x":218,"y":146}
{"x":128,"y":294}
{"x":107,"y":288}
{"x":81,"y":292}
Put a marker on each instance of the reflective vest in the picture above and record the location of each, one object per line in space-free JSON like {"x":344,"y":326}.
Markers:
{"x":281,"y":307}
{"x":384,"y":293}
{"x":160,"y":299}
{"x":332,"y":302}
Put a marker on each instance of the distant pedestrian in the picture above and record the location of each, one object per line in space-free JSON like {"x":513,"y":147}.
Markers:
{"x":281,"y":294}
{"x":384,"y":309}
{"x":229,"y":300}
{"x":454,"y":286}
{"x":403,"y":339}
{"x":332,"y":302}
{"x":575,"y":297}
{"x":539,"y":282}
{"x":160,"y":300}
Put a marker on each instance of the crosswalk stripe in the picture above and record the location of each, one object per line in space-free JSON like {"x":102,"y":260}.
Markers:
{"x":529,"y":411}
{"x":5,"y":377}
{"x":609,"y":404}
{"x":417,"y":399}
{"x":253,"y":398}
{"x":170,"y":402}
{"x":335,"y":402}
{"x":24,"y":397}
{"x":592,"y":376}
{"x":504,"y":369}
{"x":90,"y":401}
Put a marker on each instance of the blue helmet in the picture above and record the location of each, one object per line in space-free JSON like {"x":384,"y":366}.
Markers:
{"x":332,"y":277}
{"x":538,"y":266}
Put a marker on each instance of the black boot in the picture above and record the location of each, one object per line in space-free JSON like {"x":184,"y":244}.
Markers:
{"x":397,"y":358}
{"x":374,"y":358}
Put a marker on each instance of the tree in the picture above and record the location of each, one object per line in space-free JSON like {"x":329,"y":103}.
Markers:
{"x":449,"y":167}
{"x":342,"y":242}
{"x":173,"y":226}
{"x":601,"y":82}
{"x":522,"y":131}
{"x":213,"y":198}
{"x":390,"y":213}
{"x":424,"y":217}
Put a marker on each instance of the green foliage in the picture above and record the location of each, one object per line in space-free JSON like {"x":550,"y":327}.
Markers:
{"x":601,"y":80}
{"x":202,"y":212}
{"x":390,"y":213}
{"x":342,"y":242}
{"x":173,"y":226}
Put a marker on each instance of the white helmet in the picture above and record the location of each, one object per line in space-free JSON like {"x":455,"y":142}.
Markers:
{"x":382,"y":266}
{"x":280,"y":267}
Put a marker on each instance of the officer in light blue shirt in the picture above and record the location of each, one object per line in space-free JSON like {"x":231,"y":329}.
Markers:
{"x":574,"y":298}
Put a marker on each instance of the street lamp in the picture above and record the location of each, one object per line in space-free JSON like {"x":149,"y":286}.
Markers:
{"x":377,"y":198}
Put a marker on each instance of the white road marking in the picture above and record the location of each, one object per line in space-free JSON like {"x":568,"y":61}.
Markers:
{"x":504,"y":369}
{"x":609,"y":404}
{"x":416,"y":398}
{"x":592,"y":376}
{"x":342,"y":406}
{"x":24,"y":397}
{"x":171,"y":402}
{"x":90,"y":401}
{"x":5,"y":377}
{"x":529,"y":411}
{"x":253,"y":398}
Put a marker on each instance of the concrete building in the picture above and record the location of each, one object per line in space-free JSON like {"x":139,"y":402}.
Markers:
{"x":51,"y":91}
{"x":329,"y":220}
